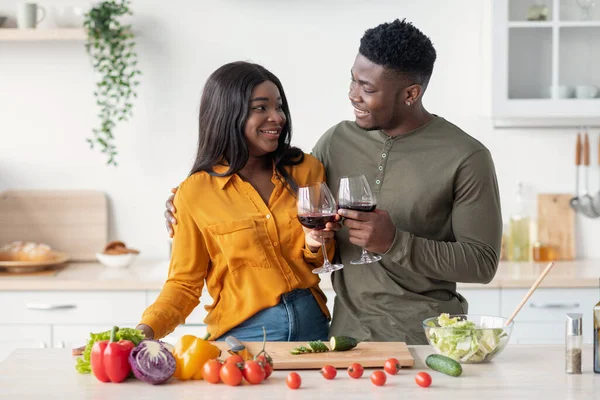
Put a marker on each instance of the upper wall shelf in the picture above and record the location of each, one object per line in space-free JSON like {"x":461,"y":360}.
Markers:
{"x":550,"y":24}
{"x":14,"y":35}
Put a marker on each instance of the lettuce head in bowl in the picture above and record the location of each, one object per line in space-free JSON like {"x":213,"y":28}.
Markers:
{"x":468,"y":339}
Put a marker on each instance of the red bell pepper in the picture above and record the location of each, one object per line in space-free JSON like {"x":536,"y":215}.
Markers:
{"x":110,"y":359}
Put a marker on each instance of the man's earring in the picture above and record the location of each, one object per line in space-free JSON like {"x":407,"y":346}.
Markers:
{"x":408,"y":103}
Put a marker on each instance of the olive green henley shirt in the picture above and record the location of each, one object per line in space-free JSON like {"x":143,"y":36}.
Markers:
{"x":439,"y":186}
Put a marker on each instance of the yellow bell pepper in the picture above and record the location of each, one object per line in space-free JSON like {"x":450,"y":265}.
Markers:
{"x":190,"y":355}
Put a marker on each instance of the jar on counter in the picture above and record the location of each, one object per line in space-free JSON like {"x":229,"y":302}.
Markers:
{"x":543,"y":252}
{"x":573,"y":344}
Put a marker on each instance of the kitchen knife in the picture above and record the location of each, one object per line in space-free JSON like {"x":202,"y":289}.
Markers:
{"x":238,"y":347}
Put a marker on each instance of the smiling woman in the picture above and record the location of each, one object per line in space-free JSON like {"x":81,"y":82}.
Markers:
{"x":237,"y":229}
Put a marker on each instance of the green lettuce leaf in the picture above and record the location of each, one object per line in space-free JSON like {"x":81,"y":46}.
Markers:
{"x":83,"y":363}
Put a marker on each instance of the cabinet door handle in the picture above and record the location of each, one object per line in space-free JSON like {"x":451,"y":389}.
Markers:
{"x":554,"y":305}
{"x":41,"y":306}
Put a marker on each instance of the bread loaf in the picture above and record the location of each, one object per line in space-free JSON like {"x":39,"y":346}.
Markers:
{"x":117,"y":247}
{"x":26,"y":251}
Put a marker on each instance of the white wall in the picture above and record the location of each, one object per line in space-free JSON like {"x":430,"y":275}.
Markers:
{"x":47,"y":108}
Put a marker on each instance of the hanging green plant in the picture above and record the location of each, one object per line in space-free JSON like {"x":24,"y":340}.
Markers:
{"x":111,"y":48}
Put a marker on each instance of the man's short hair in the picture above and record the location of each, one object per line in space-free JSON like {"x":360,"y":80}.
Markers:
{"x":401,"y":47}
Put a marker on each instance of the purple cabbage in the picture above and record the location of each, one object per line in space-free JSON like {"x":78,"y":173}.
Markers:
{"x":152,"y":362}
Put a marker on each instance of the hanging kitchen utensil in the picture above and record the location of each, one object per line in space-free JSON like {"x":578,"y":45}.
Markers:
{"x":582,"y":203}
{"x":575,"y":200}
{"x":586,"y":201}
{"x":596,"y":202}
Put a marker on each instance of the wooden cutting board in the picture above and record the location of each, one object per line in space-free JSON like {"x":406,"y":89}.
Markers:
{"x":556,"y":223}
{"x":74,"y":222}
{"x":369,"y":354}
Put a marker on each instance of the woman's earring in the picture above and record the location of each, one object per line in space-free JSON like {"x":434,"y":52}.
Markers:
{"x":408,"y":103}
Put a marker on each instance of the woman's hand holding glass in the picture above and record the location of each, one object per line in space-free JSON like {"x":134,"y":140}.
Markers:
{"x":317,"y":209}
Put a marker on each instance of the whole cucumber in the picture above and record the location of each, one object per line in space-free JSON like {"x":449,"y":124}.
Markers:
{"x":443,"y":364}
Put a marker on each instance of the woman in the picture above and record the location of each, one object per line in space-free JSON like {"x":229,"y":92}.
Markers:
{"x":237,"y":228}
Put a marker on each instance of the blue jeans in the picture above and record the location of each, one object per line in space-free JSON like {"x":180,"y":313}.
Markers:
{"x":297,"y":318}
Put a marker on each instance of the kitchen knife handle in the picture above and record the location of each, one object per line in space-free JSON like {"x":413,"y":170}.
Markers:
{"x":554,"y":305}
{"x":234,"y":344}
{"x":45,"y":307}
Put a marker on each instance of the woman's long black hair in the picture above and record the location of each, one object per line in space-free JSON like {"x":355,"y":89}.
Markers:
{"x":224,"y":109}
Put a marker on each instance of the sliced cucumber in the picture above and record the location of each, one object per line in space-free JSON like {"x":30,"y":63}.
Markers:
{"x":443,"y":364}
{"x":318,"y":346}
{"x":342,"y":343}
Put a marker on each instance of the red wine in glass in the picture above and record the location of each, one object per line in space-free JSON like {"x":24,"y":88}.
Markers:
{"x":360,"y":206}
{"x":316,"y":221}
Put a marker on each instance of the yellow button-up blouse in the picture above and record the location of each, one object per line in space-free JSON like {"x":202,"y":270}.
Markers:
{"x":248,"y":252}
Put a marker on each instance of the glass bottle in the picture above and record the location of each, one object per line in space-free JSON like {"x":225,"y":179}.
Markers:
{"x":573,"y":344}
{"x":596,"y":338}
{"x":538,"y":11}
{"x":519,"y":229}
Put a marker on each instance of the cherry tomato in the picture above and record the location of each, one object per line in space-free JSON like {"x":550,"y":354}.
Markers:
{"x":378,"y":378}
{"x":211,"y":370}
{"x":268,"y":366}
{"x":234,"y":359}
{"x":329,"y":372}
{"x":423,"y":379}
{"x":392,"y":366}
{"x":355,"y":370}
{"x":231,"y":374}
{"x":253,"y":372}
{"x":293,"y":380}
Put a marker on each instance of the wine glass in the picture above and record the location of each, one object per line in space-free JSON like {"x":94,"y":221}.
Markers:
{"x":356,"y":194}
{"x":586,"y":8}
{"x":317,"y":207}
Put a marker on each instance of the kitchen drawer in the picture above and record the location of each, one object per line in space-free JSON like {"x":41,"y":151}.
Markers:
{"x":23,"y":336}
{"x":538,"y":333}
{"x":482,"y":301}
{"x":48,"y":307}
{"x":196,"y":317}
{"x":549,"y":305}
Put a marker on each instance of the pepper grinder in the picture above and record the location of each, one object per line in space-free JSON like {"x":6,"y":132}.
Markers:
{"x":573,"y":344}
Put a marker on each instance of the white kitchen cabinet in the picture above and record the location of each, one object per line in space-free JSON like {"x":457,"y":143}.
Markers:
{"x":482,"y":301}
{"x":538,"y":65}
{"x":13,"y":337}
{"x":542,"y":318}
{"x":68,"y":307}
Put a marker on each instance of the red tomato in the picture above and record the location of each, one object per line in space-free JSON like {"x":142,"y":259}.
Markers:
{"x":211,"y":370}
{"x":392,"y":366}
{"x":329,"y":372}
{"x":234,"y":359}
{"x":355,"y":370}
{"x":423,"y":379}
{"x":253,"y":372}
{"x":293,"y":380}
{"x":268,"y":366}
{"x":378,"y":378}
{"x":231,"y":374}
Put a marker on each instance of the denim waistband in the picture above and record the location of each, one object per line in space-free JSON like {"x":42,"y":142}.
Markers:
{"x":295,"y":295}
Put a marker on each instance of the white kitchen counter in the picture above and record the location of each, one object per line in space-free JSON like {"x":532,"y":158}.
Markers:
{"x":151,"y":274}
{"x":521,"y":372}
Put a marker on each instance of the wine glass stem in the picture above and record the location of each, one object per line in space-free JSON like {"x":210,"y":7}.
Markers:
{"x":365,"y":253}
{"x":326,"y":262}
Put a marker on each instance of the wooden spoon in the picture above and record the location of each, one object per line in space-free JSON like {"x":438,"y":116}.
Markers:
{"x":530,"y":292}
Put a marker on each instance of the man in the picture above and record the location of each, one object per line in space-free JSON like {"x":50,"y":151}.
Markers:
{"x":438,"y":218}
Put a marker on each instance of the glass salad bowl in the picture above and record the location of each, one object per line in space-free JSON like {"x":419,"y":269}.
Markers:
{"x":469,"y":339}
